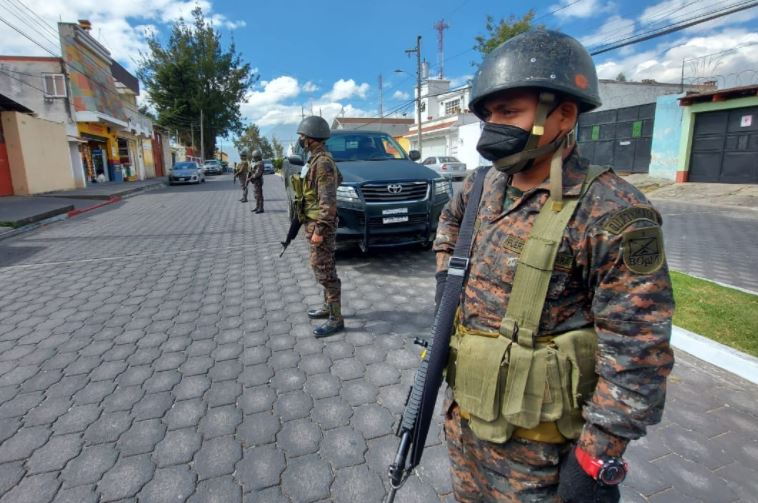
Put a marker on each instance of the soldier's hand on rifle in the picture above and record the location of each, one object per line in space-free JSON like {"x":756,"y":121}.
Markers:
{"x":316,"y":239}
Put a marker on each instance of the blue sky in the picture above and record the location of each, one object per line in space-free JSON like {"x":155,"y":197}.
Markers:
{"x":327,"y":56}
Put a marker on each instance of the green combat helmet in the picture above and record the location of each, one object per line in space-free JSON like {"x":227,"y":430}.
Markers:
{"x":555,"y":64}
{"x":243,"y":154}
{"x":314,"y":127}
{"x":257,"y":156}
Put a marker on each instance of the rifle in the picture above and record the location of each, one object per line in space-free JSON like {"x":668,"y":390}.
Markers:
{"x":419,"y":405}
{"x":297,"y":214}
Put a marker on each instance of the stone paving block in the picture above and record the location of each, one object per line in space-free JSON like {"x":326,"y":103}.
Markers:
{"x":77,"y":419}
{"x":79,"y":494}
{"x":343,"y":447}
{"x":255,"y":355}
{"x":177,"y":447}
{"x":298,"y":438}
{"x":331,"y":413}
{"x":295,"y":405}
{"x":359,"y":338}
{"x":284,"y":360}
{"x":162,"y":381}
{"x":82,"y":365}
{"x":260,"y":467}
{"x":94,"y":392}
{"x":219,"y":421}
{"x":382,"y":374}
{"x":393,"y":398}
{"x":126,"y":478}
{"x":256,"y":375}
{"x":359,"y":392}
{"x":357,"y":483}
{"x":201,"y":347}
{"x":381,"y":452}
{"x":119,"y":353}
{"x":217,"y":457}
{"x":191,"y":387}
{"x":142,"y":437}
{"x":696,"y":447}
{"x":258,"y":429}
{"x":144,"y":356}
{"x":196,"y":365}
{"x":435,"y":469}
{"x":308,"y":345}
{"x":21,"y":404}
{"x":185,"y":413}
{"x":307,"y":479}
{"x":42,"y":380}
{"x":226,"y":352}
{"x":224,"y":393}
{"x":152,"y":405}
{"x":33,"y":489}
{"x":348,"y":368}
{"x":693,"y":480}
{"x":289,"y":379}
{"x":339,"y":350}
{"x":107,"y":371}
{"x":108,"y":428}
{"x":316,"y":363}
{"x":54,"y":455}
{"x":169,"y":485}
{"x":218,"y":490}
{"x":371,"y":354}
{"x":10,"y":474}
{"x":89,"y":466}
{"x":225,"y":370}
{"x":269,"y":495}
{"x":257,"y":399}
{"x":322,"y":386}
{"x":135,"y":375}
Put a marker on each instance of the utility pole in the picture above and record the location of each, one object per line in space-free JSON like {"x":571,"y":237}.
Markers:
{"x":202,"y":138}
{"x":192,"y":134}
{"x":417,"y":50}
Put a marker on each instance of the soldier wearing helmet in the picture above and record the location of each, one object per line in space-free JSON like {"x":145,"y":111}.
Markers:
{"x":560,"y":352}
{"x":243,"y":170}
{"x":320,"y":188}
{"x":256,"y":177}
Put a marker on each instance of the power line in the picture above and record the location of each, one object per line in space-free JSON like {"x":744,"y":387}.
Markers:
{"x":675,"y":27}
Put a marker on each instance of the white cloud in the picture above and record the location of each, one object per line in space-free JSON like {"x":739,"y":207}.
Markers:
{"x":400,"y":95}
{"x":615,"y":28}
{"x":274,"y":91}
{"x":461,"y":81}
{"x":113,"y":24}
{"x":581,"y":9}
{"x":344,"y":89}
{"x":706,"y":60}
{"x":310,"y":87}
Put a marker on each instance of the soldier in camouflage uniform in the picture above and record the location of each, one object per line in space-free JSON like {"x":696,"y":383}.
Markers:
{"x":256,"y":177}
{"x":320,"y":188}
{"x":243,"y":169}
{"x":609,"y":276}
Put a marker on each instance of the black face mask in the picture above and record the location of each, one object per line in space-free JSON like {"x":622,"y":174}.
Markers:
{"x":301,"y":142}
{"x":501,"y":140}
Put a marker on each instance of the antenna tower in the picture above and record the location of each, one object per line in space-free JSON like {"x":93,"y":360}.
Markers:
{"x":441,"y":26}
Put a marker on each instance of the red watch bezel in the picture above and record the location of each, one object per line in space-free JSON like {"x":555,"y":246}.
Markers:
{"x":594,"y":467}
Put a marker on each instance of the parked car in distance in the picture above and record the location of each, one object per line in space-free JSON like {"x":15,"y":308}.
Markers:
{"x":186,"y":172}
{"x":385,"y":199}
{"x":447,"y":166}
{"x":268,"y":167}
{"x":213,"y":167}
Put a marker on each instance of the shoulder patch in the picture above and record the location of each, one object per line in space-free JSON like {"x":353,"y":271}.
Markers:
{"x":624,"y":218}
{"x":642,"y":250}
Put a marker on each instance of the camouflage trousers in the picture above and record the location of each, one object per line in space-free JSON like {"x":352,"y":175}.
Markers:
{"x":322,"y":263}
{"x":518,"y":471}
{"x":244,"y":184}
{"x":258,"y":193}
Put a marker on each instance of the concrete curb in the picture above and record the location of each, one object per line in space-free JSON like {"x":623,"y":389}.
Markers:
{"x":113,"y":199}
{"x":35,"y":225}
{"x":717,"y":354}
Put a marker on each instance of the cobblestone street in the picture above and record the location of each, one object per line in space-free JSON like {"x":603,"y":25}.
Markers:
{"x":158,"y":350}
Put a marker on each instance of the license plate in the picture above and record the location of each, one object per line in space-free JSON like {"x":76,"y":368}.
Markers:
{"x":394,"y":220}
{"x":395,"y":211}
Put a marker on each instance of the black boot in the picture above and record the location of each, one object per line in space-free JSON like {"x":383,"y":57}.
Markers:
{"x":259,"y":210}
{"x":320,"y":313}
{"x":333,"y":325}
{"x":243,"y":200}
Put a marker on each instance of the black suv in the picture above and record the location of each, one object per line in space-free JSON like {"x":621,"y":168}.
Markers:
{"x":386,"y":199}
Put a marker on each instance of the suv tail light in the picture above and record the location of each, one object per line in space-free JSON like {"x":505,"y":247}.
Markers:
{"x":443,"y":167}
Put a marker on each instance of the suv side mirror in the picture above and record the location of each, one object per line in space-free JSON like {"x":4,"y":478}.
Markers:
{"x":415,"y":155}
{"x":296,"y":160}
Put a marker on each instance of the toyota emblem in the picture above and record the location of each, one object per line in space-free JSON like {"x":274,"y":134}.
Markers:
{"x":394,"y":188}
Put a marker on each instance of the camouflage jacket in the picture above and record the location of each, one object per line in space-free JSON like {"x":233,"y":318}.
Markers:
{"x":242,"y":168}
{"x":324,"y":177}
{"x":256,"y":174}
{"x":597,"y":279}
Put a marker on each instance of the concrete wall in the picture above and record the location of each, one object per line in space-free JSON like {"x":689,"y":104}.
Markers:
{"x":667,"y":133}
{"x":37,"y":165}
{"x":468,"y":137}
{"x":23,"y":82}
{"x":628,"y":94}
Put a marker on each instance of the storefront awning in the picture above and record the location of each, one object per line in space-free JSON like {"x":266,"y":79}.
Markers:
{"x":87,"y":116}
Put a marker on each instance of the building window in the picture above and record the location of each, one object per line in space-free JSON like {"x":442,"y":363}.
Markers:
{"x":453,"y":107}
{"x":55,"y":85}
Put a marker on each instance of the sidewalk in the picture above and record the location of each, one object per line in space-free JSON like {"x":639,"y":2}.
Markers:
{"x":710,"y":194}
{"x":20,"y":211}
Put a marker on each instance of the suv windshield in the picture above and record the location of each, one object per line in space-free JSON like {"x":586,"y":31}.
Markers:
{"x":212,"y":163}
{"x":185,"y":165}
{"x":364,"y":147}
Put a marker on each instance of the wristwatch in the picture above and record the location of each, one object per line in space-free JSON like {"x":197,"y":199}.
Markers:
{"x":609,"y":471}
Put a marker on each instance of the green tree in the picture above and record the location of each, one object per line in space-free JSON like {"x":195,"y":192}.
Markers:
{"x":499,"y":32}
{"x":193,"y":72}
{"x":621,"y":77}
{"x":278,"y":148}
{"x":251,"y":139}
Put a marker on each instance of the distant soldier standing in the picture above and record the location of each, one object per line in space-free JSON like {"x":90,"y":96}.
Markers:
{"x":256,"y":177}
{"x":242,"y":171}
{"x":561,"y":348}
{"x":320,"y":189}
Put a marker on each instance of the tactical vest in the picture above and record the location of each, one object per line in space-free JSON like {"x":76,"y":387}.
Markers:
{"x":306,"y":199}
{"x":311,"y":204}
{"x":515,"y":381}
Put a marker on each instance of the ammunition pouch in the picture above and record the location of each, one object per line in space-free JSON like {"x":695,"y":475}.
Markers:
{"x":305,"y":201}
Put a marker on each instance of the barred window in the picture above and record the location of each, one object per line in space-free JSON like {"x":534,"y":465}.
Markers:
{"x":453,"y":107}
